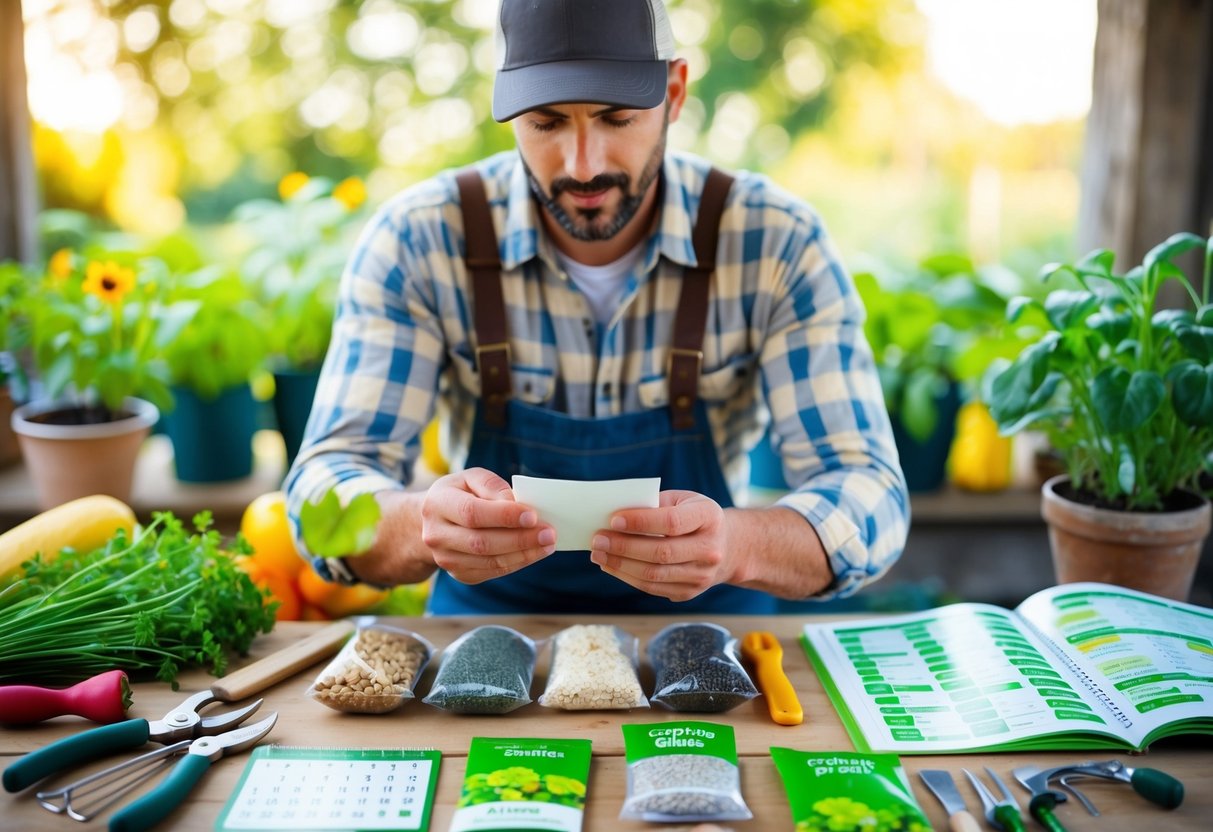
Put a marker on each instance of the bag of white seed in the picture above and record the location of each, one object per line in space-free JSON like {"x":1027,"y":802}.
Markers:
{"x":593,"y":668}
{"x":487,"y":670}
{"x":682,"y":771}
{"x":374,"y":672}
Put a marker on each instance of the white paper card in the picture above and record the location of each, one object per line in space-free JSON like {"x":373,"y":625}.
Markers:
{"x":578,"y":508}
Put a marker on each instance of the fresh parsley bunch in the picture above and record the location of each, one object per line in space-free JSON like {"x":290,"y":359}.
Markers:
{"x":150,"y":605}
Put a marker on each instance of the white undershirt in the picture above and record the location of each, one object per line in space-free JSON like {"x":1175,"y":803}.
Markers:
{"x":603,"y":286}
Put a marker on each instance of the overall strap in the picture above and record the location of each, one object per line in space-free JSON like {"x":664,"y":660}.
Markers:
{"x":484,"y":264}
{"x":690,"y":321}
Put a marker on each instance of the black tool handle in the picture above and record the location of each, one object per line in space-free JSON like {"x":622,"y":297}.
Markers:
{"x":1158,"y":787}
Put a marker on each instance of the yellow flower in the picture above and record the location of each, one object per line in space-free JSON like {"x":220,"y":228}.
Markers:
{"x":60,"y":266}
{"x":290,"y":184}
{"x":108,"y":281}
{"x":350,"y":192}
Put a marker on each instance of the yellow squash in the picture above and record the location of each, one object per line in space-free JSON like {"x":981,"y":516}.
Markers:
{"x":83,"y":525}
{"x":980,"y":459}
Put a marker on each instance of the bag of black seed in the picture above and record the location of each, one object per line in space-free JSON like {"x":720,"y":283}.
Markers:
{"x":845,"y":791}
{"x":696,"y":669}
{"x":682,"y":771}
{"x":374,"y":672}
{"x":593,"y":668}
{"x":487,"y":670}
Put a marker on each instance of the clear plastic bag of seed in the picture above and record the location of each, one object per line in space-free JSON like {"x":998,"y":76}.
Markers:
{"x":594,"y":668}
{"x":487,"y":670}
{"x":696,"y":668}
{"x":682,"y":771}
{"x":375,"y":671}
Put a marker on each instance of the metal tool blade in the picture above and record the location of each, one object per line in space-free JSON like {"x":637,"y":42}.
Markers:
{"x":942,"y":785}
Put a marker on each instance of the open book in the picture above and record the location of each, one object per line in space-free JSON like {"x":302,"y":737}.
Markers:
{"x":1074,"y":666}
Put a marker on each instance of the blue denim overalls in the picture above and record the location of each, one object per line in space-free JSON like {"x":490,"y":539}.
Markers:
{"x":512,"y":437}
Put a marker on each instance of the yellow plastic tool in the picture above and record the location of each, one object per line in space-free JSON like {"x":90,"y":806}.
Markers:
{"x":762,"y":649}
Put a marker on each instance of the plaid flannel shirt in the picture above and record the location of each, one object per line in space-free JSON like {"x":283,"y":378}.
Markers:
{"x":784,"y":344}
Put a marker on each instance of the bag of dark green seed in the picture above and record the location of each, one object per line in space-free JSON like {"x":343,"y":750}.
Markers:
{"x":844,"y":791}
{"x":487,"y":670}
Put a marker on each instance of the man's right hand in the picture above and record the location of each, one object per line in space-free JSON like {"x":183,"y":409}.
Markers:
{"x":475,"y":529}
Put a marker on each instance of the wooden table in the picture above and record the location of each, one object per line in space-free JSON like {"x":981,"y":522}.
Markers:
{"x":303,"y":722}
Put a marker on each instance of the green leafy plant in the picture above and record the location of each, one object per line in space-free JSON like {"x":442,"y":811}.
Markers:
{"x":225,"y":342}
{"x":522,"y":783}
{"x":150,"y":604}
{"x":333,"y":531}
{"x":1123,"y":389}
{"x":937,"y":326}
{"x":14,"y":324}
{"x":299,"y":248}
{"x":98,"y":327}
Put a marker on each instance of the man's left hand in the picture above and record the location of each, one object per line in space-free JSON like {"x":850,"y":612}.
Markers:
{"x":677,"y":550}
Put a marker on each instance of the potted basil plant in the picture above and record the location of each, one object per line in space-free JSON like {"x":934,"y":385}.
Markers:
{"x":1124,"y":390}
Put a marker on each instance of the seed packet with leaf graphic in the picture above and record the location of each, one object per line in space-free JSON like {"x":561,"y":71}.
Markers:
{"x":682,"y":771}
{"x":841,"y":791}
{"x":523,"y":784}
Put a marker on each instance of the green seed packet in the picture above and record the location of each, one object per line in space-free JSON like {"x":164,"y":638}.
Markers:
{"x":523,"y":784}
{"x":682,"y":771}
{"x":841,"y":791}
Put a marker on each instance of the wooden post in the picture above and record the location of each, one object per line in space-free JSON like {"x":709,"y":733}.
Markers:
{"x":18,"y":192}
{"x":1148,"y":162}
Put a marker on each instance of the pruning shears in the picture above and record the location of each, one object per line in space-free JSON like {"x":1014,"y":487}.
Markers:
{"x":1156,"y":786}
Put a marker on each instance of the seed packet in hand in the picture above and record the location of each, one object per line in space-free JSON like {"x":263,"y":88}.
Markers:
{"x":845,"y":791}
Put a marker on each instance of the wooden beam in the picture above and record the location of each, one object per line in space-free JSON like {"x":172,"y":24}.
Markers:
{"x":18,"y":191}
{"x":1146,"y":169}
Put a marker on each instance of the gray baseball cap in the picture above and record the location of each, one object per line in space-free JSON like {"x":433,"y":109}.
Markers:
{"x":611,"y":52}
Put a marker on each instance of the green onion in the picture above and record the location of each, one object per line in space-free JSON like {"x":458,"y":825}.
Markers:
{"x":150,"y":605}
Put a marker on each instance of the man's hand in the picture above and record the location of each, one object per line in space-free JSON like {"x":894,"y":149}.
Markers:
{"x":677,"y":550}
{"x":476,"y":531}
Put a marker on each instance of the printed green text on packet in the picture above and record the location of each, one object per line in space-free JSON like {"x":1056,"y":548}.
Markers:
{"x":843,"y":791}
{"x":523,"y":784}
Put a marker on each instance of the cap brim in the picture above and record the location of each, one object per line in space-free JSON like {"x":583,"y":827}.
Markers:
{"x":636,"y":85}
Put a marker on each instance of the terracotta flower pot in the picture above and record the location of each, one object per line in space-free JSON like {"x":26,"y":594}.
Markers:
{"x":1154,"y":552}
{"x":66,"y":461}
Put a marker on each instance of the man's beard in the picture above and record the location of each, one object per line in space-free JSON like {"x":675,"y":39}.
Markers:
{"x":587,"y":224}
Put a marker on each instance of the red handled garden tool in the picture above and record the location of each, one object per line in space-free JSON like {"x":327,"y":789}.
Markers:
{"x":103,"y":698}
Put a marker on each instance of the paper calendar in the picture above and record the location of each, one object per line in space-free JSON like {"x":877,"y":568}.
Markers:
{"x":333,"y":789}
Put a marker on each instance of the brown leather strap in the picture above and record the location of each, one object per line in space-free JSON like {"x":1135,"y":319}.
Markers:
{"x":484,"y":264}
{"x":686,"y":353}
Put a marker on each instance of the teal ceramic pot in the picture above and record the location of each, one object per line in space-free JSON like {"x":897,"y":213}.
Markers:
{"x":212,"y":438}
{"x":293,"y":394}
{"x":925,"y":463}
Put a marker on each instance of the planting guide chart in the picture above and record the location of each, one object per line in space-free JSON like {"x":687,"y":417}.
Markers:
{"x":1153,"y":656}
{"x":333,"y":789}
{"x":963,"y":676}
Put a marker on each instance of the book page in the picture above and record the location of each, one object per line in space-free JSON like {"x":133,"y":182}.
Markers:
{"x":956,"y":678}
{"x":1152,"y":656}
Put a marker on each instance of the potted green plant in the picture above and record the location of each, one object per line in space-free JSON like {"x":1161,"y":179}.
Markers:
{"x":97,"y":326}
{"x":210,"y":365}
{"x":298,"y":248}
{"x":932,"y":332}
{"x":1124,"y":391}
{"x":14,"y":334}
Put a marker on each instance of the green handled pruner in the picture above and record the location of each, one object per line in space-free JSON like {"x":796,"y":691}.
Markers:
{"x":1156,"y":786}
{"x":181,"y":723}
{"x":159,"y":803}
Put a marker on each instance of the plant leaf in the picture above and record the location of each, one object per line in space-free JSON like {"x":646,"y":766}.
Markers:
{"x":1126,"y":470}
{"x":1170,"y":248}
{"x":1197,"y":342}
{"x":1097,"y":263}
{"x":1192,"y":394}
{"x":1123,"y":401}
{"x":1064,"y":306}
{"x":331,"y":531}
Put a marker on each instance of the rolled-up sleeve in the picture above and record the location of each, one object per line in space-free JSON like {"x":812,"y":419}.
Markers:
{"x":377,"y":387}
{"x":829,"y":422}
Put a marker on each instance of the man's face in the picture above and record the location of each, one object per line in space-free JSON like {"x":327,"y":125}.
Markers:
{"x":591,"y":165}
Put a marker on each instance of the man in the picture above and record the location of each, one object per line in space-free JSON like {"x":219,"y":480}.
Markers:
{"x":576,"y":327}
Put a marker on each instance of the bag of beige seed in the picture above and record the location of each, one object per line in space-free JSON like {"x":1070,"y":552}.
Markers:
{"x":375,"y":671}
{"x":682,"y":771}
{"x":594,"y":668}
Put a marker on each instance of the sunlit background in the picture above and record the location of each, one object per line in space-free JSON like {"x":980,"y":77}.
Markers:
{"x":913,"y":127}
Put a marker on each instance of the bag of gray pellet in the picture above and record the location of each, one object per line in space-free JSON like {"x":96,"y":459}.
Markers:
{"x":594,"y":668}
{"x":695,"y":668}
{"x":375,"y":671}
{"x":682,"y":771}
{"x":487,"y":670}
